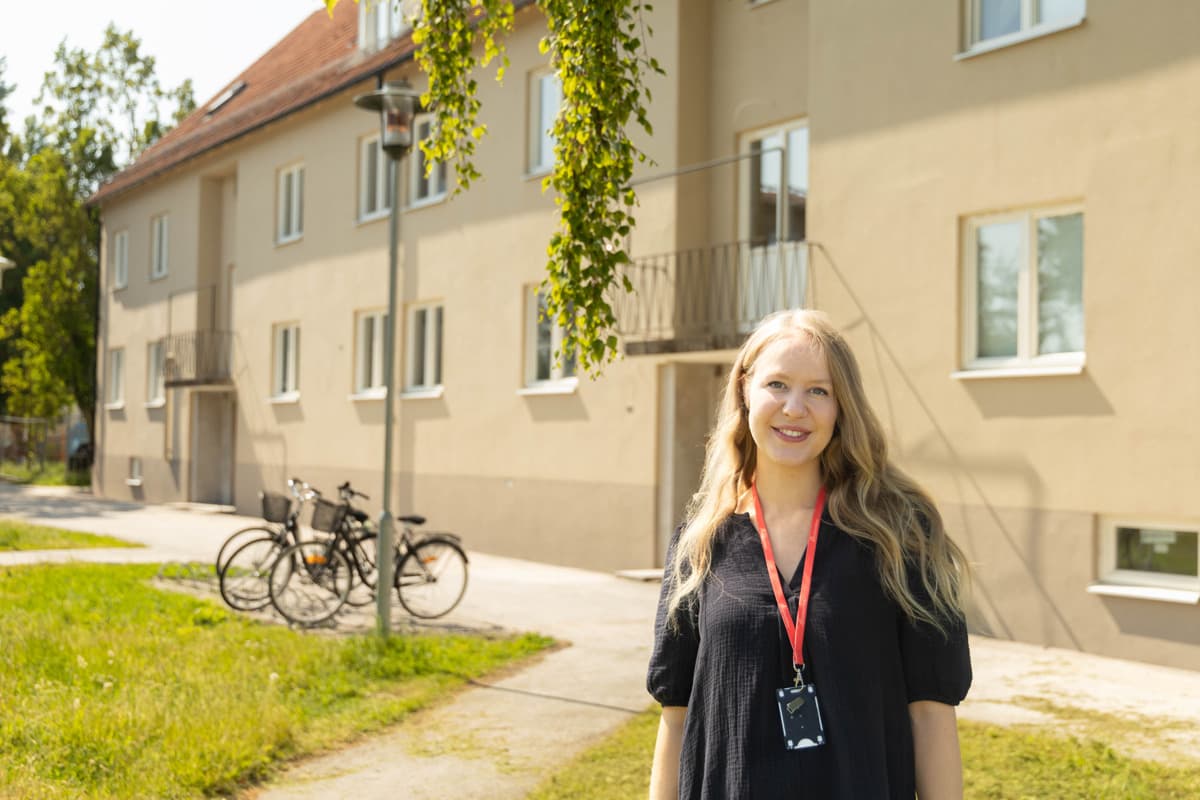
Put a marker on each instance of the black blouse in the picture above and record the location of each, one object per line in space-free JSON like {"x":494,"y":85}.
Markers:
{"x":867,"y":660}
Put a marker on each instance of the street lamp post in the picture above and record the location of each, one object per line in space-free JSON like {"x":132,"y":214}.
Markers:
{"x":5,"y":263}
{"x":397,"y":104}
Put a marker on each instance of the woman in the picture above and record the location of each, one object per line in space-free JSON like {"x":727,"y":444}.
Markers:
{"x":782,"y":674}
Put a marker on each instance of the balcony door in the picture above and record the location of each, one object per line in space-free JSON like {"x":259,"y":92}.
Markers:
{"x":772,"y":268}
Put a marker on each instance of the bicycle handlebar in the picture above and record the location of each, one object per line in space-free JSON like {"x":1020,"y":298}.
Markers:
{"x":347,"y":492}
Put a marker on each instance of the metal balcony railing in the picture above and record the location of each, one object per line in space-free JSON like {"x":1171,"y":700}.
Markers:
{"x":708,"y":298}
{"x":197,"y":358}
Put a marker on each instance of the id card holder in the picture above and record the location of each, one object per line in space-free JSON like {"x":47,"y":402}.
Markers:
{"x":800,"y":714}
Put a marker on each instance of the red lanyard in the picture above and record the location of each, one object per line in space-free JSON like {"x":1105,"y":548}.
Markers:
{"x":795,"y":629}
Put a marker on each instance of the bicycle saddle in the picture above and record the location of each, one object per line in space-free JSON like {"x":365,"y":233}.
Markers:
{"x":359,"y":515}
{"x":413,"y":519}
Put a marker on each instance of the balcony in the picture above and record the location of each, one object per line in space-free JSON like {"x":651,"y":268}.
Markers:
{"x":197,"y":358}
{"x":708,"y":298}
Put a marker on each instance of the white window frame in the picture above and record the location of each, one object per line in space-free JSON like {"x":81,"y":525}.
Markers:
{"x":438,"y":179}
{"x":745,"y":141}
{"x":377,"y":204}
{"x":1027,"y":361}
{"x":425,"y":384}
{"x":1029,"y":28}
{"x":135,"y":472}
{"x":1137,"y":583}
{"x":289,"y":223}
{"x":540,"y":145}
{"x":560,"y":380}
{"x":285,"y":362}
{"x":116,"y":378}
{"x":120,"y":254}
{"x":391,"y":18}
{"x":156,"y":390}
{"x":369,"y":352}
{"x":160,"y":246}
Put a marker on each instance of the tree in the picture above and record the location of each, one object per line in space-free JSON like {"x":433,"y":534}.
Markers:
{"x":99,"y":111}
{"x":598,"y":50}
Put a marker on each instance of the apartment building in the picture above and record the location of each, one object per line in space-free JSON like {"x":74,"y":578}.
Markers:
{"x":997,"y":219}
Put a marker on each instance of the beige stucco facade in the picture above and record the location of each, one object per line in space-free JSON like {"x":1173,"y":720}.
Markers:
{"x":907,"y":142}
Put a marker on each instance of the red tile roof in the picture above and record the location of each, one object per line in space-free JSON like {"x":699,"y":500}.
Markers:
{"x":319,"y":58}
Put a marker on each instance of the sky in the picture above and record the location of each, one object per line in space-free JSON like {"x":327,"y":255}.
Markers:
{"x":209,"y":41}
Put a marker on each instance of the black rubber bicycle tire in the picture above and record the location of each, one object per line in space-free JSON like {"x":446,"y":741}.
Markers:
{"x":414,"y":553}
{"x":264,"y":530}
{"x":226,"y":593}
{"x":330,"y":552}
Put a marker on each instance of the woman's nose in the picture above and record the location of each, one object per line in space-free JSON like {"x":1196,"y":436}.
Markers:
{"x":795,"y":405}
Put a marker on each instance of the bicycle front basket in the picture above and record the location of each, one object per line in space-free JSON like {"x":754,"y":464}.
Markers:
{"x":275,"y":507}
{"x":327,"y":516}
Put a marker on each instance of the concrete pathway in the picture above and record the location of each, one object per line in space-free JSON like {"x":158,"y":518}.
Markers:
{"x":499,"y":740}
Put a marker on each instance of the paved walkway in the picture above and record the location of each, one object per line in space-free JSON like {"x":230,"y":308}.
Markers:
{"x":499,"y":740}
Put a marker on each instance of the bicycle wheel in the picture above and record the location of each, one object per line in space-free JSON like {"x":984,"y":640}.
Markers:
{"x":432,"y":577}
{"x":361,"y":551}
{"x":239,"y":538}
{"x":309,"y":582}
{"x":243,"y":579}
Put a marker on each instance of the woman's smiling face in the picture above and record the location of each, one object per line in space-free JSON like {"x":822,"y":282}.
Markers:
{"x":791,"y":408}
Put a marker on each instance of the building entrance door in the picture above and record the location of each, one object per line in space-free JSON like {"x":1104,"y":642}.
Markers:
{"x":212,"y":448}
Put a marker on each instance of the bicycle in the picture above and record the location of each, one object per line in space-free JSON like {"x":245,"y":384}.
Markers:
{"x":311,"y":581}
{"x":241,"y":577}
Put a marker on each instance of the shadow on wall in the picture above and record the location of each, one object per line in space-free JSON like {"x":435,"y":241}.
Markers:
{"x":1063,"y":396}
{"x":1176,"y":623}
{"x":992,"y":616}
{"x":556,"y":407}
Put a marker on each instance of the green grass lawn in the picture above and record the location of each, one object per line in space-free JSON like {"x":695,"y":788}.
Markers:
{"x":115,"y":689}
{"x":998,"y":764}
{"x":53,"y":473}
{"x":18,"y":535}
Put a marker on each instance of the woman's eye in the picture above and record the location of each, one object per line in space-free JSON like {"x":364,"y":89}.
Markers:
{"x":776,"y":385}
{"x":819,"y":390}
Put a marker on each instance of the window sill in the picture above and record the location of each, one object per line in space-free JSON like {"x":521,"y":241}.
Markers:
{"x":161,"y":402}
{"x":369,"y":394}
{"x":120,"y":288}
{"x":564,"y":386}
{"x":287,"y":398}
{"x":158,"y":277}
{"x":538,"y":173}
{"x":423,"y":393}
{"x":134,"y":482}
{"x":1028,"y":371}
{"x":375,"y":216}
{"x":1163,"y":595}
{"x":115,"y":406}
{"x":425,"y":202}
{"x":1010,"y":39}
{"x":289,"y":240}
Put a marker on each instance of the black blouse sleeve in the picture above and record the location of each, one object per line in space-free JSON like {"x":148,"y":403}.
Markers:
{"x":673,"y":659}
{"x":937,"y":665}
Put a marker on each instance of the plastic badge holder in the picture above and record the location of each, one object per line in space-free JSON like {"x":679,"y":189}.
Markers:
{"x":800,"y":714}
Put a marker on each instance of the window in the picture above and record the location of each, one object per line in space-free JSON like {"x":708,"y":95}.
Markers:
{"x":375,"y":180}
{"x":159,"y":245}
{"x":543,"y":341}
{"x":155,"y":385}
{"x":773,"y":175}
{"x":424,"y":356}
{"x":1159,"y":555}
{"x":545,"y":97}
{"x":369,"y":350}
{"x":1001,"y":21}
{"x":425,"y":188}
{"x":286,"y":382}
{"x":291,"y":204}
{"x":382,"y":21}
{"x":135,"y":472}
{"x":116,"y":377}
{"x":120,"y":273}
{"x":1024,"y":290}
{"x":777,"y":157}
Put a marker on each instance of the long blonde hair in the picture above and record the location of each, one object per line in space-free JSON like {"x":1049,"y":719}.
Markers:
{"x":868,"y":497}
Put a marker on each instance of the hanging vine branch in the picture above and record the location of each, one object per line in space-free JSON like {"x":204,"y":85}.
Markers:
{"x":598,"y":49}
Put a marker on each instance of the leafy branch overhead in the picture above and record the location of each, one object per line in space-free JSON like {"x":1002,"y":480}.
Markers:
{"x":598,"y":51}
